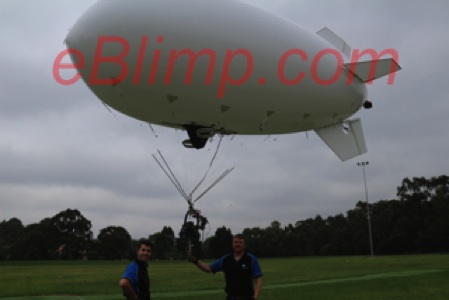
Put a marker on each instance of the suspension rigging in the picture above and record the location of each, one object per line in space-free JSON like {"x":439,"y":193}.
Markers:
{"x":194,"y":221}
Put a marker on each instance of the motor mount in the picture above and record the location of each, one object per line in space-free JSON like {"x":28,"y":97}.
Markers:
{"x":194,"y":222}
{"x":198,"y":136}
{"x":367,"y":104}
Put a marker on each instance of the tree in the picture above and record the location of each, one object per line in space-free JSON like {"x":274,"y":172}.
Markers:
{"x":32,"y":245}
{"x":436,"y":225}
{"x":358,"y":230}
{"x":163,"y":243}
{"x":386,"y":221}
{"x":38,"y":241}
{"x":10,"y":232}
{"x":254,"y":240}
{"x":75,"y":233}
{"x":221,"y":243}
{"x":415,"y":222}
{"x":272,"y":240}
{"x":114,"y":242}
{"x":338,"y":241}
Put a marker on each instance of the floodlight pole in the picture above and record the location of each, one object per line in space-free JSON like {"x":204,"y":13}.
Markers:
{"x":368,"y":212}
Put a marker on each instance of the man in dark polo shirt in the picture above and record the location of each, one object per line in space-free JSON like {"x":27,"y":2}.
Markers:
{"x":241,"y":269}
{"x":135,"y":282}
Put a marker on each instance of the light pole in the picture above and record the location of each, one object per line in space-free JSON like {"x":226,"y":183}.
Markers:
{"x":368,"y":212}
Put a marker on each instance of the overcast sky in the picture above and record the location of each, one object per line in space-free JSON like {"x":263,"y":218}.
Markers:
{"x":61,"y":148}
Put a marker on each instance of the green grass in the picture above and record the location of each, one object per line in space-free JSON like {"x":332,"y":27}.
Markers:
{"x":384,"y":277}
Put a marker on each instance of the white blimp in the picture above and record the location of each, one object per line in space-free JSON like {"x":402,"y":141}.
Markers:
{"x":225,"y":67}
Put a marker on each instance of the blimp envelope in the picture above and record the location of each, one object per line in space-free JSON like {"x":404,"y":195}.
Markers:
{"x":153,"y":68}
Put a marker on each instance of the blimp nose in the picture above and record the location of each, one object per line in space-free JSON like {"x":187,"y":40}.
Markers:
{"x":79,"y":39}
{"x":113,"y":28}
{"x":93,"y":32}
{"x":114,"y":18}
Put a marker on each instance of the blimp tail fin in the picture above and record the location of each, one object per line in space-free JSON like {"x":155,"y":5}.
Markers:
{"x":335,"y":40}
{"x":346,"y":139}
{"x":370,"y":70}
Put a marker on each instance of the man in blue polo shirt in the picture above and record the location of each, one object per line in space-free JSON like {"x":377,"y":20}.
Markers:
{"x":242,"y":271}
{"x":135,"y":282}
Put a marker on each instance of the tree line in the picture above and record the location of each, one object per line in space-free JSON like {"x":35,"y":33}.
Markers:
{"x":416,"y":222}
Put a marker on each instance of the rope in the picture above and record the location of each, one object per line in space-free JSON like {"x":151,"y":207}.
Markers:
{"x":173,"y":180}
{"x":209,"y":168}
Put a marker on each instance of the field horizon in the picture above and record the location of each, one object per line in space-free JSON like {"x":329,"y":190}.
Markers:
{"x":341,"y":277}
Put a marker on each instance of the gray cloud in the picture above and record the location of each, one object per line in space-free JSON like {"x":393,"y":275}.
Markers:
{"x":61,"y":148}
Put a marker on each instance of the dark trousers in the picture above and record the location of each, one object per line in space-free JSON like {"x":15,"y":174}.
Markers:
{"x":229,"y":297}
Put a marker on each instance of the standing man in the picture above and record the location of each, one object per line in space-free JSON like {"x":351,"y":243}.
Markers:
{"x":242,"y":271}
{"x":135,"y":282}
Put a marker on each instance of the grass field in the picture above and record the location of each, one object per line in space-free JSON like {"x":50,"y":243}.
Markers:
{"x":383,"y":277}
